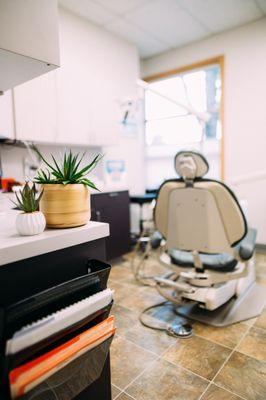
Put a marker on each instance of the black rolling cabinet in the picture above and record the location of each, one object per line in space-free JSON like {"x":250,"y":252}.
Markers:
{"x":113,"y":208}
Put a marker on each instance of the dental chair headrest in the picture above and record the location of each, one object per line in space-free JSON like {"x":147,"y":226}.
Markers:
{"x":191,"y":165}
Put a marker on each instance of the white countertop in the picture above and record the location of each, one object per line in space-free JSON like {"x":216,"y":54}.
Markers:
{"x":14,"y":247}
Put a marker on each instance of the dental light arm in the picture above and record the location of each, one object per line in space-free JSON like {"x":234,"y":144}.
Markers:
{"x":203,"y":117}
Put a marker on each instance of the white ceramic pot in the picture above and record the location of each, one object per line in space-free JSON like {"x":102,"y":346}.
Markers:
{"x":29,"y":224}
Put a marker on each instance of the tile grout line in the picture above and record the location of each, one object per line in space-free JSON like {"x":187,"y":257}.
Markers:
{"x":187,"y":370}
{"x":139,"y":375}
{"x":161,"y":355}
{"x":142,"y":348}
{"x":196,"y":334}
{"x":257,"y":327}
{"x":212,"y":381}
{"x":128,"y":395}
{"x":243,"y":337}
{"x":249,"y":356}
{"x":121,"y":392}
{"x":227,"y":358}
{"x":118,"y":388}
{"x":213,"y":341}
{"x":158,"y":357}
{"x":180,"y":366}
{"x":228,"y":390}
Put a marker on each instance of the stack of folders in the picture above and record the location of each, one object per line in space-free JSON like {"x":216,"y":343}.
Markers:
{"x":42,"y":348}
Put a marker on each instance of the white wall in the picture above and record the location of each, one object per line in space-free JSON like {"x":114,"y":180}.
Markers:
{"x":245,"y":103}
{"x":13,"y":159}
{"x":112,"y":66}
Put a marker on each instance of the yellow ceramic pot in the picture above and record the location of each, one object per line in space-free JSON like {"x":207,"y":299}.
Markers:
{"x":65,"y":206}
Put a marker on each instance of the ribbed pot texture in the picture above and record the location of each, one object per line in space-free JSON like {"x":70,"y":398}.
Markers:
{"x":65,"y":206}
{"x":29,"y":224}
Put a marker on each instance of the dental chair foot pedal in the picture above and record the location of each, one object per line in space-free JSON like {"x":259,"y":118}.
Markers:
{"x":180,"y":330}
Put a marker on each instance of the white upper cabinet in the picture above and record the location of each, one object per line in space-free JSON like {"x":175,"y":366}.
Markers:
{"x":78,"y":103}
{"x":36,"y":109}
{"x":6,"y":116}
{"x":87,"y":90}
{"x":74,"y":100}
{"x":28,"y":40}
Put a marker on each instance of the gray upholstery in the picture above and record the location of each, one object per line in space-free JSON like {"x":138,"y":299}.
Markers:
{"x":216,"y":262}
{"x":156,"y":239}
{"x":247,"y":245}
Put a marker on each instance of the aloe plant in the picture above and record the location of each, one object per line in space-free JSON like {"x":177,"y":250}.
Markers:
{"x":67,"y":172}
{"x":28,"y":198}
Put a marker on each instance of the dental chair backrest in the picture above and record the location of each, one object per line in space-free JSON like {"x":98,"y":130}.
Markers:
{"x":197,"y":214}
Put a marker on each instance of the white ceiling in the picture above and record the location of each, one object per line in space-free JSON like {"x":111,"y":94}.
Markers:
{"x":159,"y":25}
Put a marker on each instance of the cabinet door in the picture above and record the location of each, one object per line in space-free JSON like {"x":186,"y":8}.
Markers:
{"x":36,"y":109}
{"x":6,"y":116}
{"x":87,"y":114}
{"x":113,"y":208}
{"x":74,"y":99}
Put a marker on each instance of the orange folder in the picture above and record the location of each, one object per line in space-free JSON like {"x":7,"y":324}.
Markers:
{"x":29,"y":375}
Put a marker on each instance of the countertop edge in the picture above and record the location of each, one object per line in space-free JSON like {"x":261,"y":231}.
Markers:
{"x":20,"y":251}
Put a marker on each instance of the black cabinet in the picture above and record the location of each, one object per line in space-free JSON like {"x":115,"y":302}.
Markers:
{"x":113,"y":208}
{"x":24,"y":278}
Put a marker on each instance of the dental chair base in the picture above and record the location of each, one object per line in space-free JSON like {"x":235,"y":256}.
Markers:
{"x":220,"y":304}
{"x":249,"y":305}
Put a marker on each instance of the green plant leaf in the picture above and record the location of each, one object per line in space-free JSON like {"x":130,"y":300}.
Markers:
{"x":89,"y":167}
{"x":89,"y":183}
{"x":68,"y":172}
{"x":27,"y":199}
{"x":43,"y":159}
{"x":78,"y":163}
{"x":57,"y":166}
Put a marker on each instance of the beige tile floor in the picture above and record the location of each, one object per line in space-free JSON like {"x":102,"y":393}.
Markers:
{"x":214,"y":364}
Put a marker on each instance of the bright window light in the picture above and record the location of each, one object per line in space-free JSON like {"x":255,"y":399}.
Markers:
{"x":169,"y":128}
{"x":167,"y":123}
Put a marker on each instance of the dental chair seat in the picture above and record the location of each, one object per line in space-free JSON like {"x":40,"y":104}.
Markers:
{"x":222,"y":262}
{"x":216,"y":262}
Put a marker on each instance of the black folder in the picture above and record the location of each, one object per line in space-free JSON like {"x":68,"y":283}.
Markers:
{"x":53,"y":299}
{"x":58,"y":338}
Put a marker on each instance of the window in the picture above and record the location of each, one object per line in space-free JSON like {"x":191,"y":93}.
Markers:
{"x":169,"y":127}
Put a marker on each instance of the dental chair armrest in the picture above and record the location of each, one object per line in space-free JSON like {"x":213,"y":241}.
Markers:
{"x":155,"y":240}
{"x":245,"y":249}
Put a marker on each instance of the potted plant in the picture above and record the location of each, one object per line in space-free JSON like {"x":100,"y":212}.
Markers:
{"x":66,"y":198}
{"x":30,"y":221}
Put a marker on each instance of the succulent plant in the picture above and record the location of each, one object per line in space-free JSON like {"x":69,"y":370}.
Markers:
{"x":66,"y":172}
{"x":28,"y":199}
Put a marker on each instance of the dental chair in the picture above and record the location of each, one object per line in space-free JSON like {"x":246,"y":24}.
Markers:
{"x":208,"y":247}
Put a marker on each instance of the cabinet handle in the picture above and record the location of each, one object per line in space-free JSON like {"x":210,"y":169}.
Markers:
{"x":113,"y":194}
{"x":98,"y":216}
